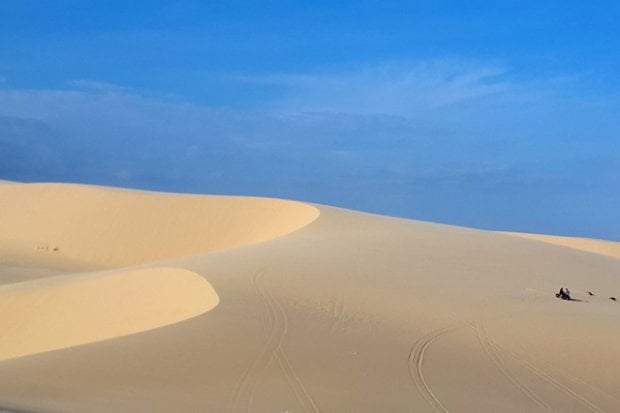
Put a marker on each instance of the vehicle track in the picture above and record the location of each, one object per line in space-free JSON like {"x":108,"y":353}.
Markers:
{"x":275,"y":324}
{"x":578,"y":397}
{"x":497,"y":349}
{"x":415,"y":363}
{"x":339,"y":307}
{"x":338,"y":312}
{"x":578,"y":381}
{"x":244,"y":391}
{"x":497,"y":359}
{"x":300,"y":390}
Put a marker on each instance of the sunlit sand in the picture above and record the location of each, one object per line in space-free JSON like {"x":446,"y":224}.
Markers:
{"x":597,"y":246}
{"x":116,"y":300}
{"x":64,"y":311}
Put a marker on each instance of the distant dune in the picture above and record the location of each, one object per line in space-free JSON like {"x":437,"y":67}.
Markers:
{"x":609,"y":248}
{"x":116,"y":300}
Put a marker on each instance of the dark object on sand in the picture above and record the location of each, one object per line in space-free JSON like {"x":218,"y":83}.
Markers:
{"x":564,"y":294}
{"x":590,"y":293}
{"x":612,"y":298}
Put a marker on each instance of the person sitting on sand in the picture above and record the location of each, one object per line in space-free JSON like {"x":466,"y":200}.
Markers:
{"x":564,"y":294}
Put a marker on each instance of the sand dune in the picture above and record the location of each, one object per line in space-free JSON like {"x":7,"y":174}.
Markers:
{"x":65,"y":311}
{"x":96,"y":227}
{"x":329,"y":310}
{"x":597,"y":246}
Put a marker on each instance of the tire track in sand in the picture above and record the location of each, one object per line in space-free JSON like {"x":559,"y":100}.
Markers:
{"x":580,"y":382}
{"x":497,"y":359}
{"x":300,"y":390}
{"x":244,"y":392}
{"x":550,"y":379}
{"x":338,"y":312}
{"x":275,"y":325}
{"x":497,"y":349}
{"x":415,"y":363}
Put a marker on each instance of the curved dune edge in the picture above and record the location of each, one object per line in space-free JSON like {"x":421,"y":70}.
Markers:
{"x":65,"y":311}
{"x":596,"y":246}
{"x":65,"y":225}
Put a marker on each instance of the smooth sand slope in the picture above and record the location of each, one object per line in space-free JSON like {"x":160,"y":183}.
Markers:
{"x":597,"y":246}
{"x":64,"y":311}
{"x":312,"y":309}
{"x":105,"y":227}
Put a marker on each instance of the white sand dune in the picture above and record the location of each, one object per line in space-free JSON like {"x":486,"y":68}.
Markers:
{"x":60,"y":225}
{"x":597,"y":246}
{"x":320,"y":310}
{"x":65,"y":311}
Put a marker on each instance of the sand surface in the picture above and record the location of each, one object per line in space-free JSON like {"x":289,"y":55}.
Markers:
{"x":106,"y":227}
{"x":64,"y":311}
{"x":255,"y":305}
{"x":597,"y":246}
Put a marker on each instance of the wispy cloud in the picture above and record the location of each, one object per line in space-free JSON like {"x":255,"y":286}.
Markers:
{"x":96,"y":86}
{"x":405,"y":89}
{"x":447,"y":141}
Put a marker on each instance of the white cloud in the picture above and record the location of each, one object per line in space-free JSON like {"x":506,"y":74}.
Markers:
{"x":404,"y":89}
{"x":91,"y":85}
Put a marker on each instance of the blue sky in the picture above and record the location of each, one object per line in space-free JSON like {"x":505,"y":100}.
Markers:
{"x":494,"y":114}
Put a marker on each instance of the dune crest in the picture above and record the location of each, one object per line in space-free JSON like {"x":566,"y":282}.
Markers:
{"x":596,"y":246}
{"x":62,"y":224}
{"x":64,"y":311}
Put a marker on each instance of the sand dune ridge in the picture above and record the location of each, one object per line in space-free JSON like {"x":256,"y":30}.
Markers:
{"x":104,"y":227}
{"x":596,"y":246}
{"x":353,"y":313}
